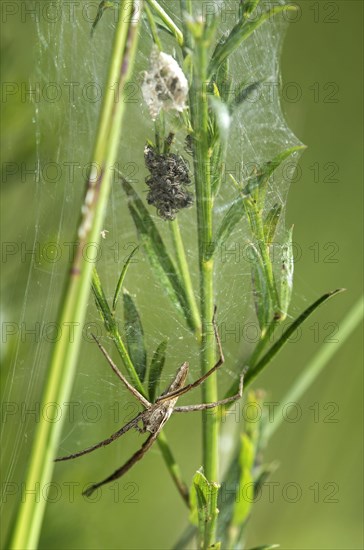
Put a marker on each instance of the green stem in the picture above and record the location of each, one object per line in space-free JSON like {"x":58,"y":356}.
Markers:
{"x":317,"y":364}
{"x":125,"y":357}
{"x":27,"y":526}
{"x":186,"y":276}
{"x":167,"y":21}
{"x":199,"y":120}
{"x":153,"y":28}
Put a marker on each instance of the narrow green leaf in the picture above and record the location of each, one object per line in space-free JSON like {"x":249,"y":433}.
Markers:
{"x":229,"y":221}
{"x":287,"y":268}
{"x":104,"y":5}
{"x":151,"y":23}
{"x":273,"y":351}
{"x":243,"y":93}
{"x":262,"y":474}
{"x":101,"y":302}
{"x":216,"y":165}
{"x":228,"y":496}
{"x":222,"y":117}
{"x":261,"y":291}
{"x":240,"y":32}
{"x":160,"y":23}
{"x":247,"y":7}
{"x":157,"y":253}
{"x":197,"y":496}
{"x":156,"y":368}
{"x":134,"y":336}
{"x":203,"y":505}
{"x":122,"y":277}
{"x":271,"y":221}
{"x":244,"y":503}
{"x":224,"y":81}
{"x":261,"y":178}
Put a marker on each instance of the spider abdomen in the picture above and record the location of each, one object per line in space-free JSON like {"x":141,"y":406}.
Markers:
{"x":156,"y":417}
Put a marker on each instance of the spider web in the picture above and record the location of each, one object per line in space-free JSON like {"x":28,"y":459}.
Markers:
{"x":70,"y":70}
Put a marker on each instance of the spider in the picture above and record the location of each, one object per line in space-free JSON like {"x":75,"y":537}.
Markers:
{"x":156,"y":414}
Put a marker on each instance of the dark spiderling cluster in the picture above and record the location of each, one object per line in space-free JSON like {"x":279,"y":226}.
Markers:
{"x":169,"y":176}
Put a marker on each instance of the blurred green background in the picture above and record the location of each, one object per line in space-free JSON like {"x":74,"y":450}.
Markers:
{"x":322,"y":452}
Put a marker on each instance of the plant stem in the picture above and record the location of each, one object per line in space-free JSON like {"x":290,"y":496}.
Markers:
{"x":27,"y":526}
{"x":153,"y":28}
{"x":186,"y":277}
{"x":201,"y":157}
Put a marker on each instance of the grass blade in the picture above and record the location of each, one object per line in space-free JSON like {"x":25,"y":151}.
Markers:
{"x":273,"y":351}
{"x":134,"y":336}
{"x":122,"y":277}
{"x":101,"y":301}
{"x":156,"y":367}
{"x":270,"y":223}
{"x":229,"y":221}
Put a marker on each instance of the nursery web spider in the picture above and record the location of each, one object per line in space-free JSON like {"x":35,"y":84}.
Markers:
{"x":156,"y":414}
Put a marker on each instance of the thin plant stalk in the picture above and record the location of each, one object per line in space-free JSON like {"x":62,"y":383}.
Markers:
{"x":27,"y":526}
{"x":199,"y":115}
{"x":199,"y":120}
{"x":186,"y":276}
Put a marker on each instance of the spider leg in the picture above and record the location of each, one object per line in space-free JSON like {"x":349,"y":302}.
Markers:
{"x":116,"y":435}
{"x":131,"y":388}
{"x":204,"y":406}
{"x":199,"y":381}
{"x":121,"y":471}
